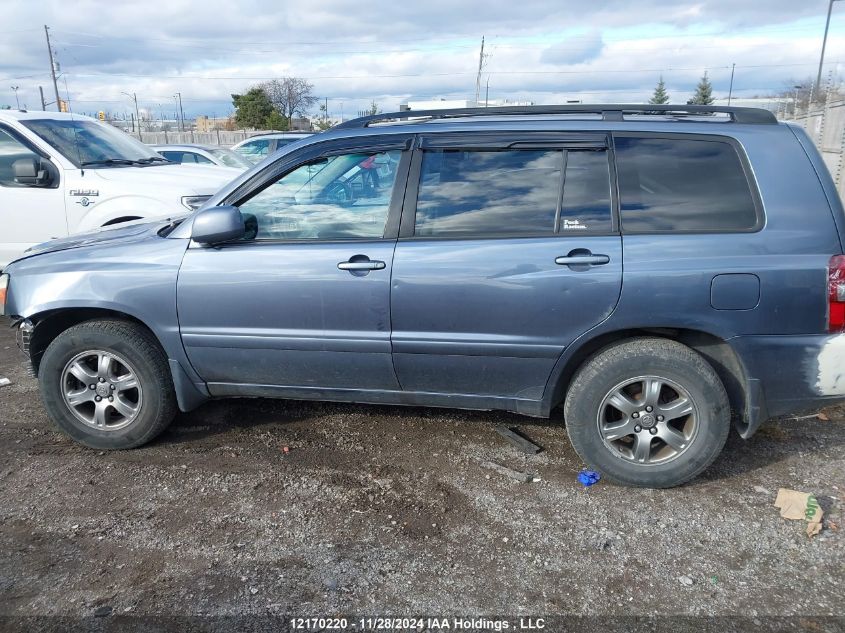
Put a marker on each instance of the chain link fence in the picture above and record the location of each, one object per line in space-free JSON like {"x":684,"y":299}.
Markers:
{"x":825,"y":124}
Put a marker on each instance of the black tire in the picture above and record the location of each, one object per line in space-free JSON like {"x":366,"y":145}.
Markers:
{"x":135,"y":344}
{"x":621,"y":362}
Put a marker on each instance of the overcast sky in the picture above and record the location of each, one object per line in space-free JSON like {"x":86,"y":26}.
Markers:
{"x":547,"y":51}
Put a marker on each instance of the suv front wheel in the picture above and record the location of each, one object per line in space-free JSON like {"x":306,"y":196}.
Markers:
{"x":107,"y":384}
{"x":647,"y":412}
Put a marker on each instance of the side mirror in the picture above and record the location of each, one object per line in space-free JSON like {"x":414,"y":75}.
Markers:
{"x":30,"y":172}
{"x":218,"y":224}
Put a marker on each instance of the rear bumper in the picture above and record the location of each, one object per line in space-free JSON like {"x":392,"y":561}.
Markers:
{"x":788,"y":375}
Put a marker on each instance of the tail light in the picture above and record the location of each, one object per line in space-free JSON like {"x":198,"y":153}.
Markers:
{"x":836,"y":293}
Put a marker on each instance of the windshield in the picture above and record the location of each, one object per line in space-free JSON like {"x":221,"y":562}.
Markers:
{"x":230,"y":159}
{"x":88,"y":142}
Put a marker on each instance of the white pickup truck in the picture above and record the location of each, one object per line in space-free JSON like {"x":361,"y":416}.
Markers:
{"x":62,"y":174}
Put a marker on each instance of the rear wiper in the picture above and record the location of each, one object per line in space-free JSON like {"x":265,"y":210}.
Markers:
{"x":107,"y":161}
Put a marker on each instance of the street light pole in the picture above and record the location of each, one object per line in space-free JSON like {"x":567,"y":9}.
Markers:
{"x":134,"y":97}
{"x":731,"y":89}
{"x":824,"y":43}
{"x":178,"y":96}
{"x":15,"y":90}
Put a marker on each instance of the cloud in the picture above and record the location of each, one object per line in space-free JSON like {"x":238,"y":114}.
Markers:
{"x":575,"y":51}
{"x":542,"y":50}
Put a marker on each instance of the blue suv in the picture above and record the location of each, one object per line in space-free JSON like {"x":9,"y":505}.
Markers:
{"x":660,"y":272}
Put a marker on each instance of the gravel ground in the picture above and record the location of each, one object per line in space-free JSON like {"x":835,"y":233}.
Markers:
{"x":387,"y":510}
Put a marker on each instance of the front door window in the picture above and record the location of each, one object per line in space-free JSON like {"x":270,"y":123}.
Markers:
{"x":339,"y":197}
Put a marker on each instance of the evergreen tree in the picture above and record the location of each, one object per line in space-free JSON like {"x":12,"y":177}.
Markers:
{"x":252,"y":108}
{"x":660,"y":95}
{"x":276,"y":121}
{"x":703,"y":92}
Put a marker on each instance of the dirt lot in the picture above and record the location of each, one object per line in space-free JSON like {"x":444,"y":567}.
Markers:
{"x":383,"y":510}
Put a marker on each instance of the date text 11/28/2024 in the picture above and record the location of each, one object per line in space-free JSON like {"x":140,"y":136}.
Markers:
{"x":474,"y":624}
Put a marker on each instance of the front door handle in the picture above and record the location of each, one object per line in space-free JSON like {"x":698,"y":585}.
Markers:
{"x":360,"y":265}
{"x":582,"y":260}
{"x":367,"y":265}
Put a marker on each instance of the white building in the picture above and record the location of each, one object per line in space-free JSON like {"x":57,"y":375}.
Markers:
{"x":449,"y":104}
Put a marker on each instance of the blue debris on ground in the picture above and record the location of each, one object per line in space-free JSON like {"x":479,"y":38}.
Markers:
{"x":588,"y":477}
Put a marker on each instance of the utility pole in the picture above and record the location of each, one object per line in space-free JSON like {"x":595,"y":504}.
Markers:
{"x":43,"y":103}
{"x":53,"y":69}
{"x":480,"y":66}
{"x":178,"y":96}
{"x":824,"y":44}
{"x":487,"y":92}
{"x":137,"y":113}
{"x":731,"y":89}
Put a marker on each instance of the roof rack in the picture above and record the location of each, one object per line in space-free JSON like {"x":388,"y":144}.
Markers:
{"x":608,"y":112}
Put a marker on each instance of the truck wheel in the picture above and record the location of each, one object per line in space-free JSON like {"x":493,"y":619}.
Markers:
{"x":107,"y":384}
{"x":647,"y":412}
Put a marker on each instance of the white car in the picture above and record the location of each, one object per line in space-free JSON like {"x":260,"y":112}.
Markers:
{"x":257,"y":148}
{"x":194,"y":154}
{"x":64,"y":173}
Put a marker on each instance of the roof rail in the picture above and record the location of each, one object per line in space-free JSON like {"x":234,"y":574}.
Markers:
{"x":608,"y":112}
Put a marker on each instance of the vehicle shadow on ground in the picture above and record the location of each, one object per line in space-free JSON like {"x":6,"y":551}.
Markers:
{"x":219,"y":417}
{"x":777,"y":440}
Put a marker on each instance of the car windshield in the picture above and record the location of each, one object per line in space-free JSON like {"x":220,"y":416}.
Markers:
{"x":229,"y":158}
{"x":90,"y":143}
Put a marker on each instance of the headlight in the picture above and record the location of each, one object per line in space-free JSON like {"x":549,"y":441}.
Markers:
{"x":194,"y":202}
{"x":4,"y":286}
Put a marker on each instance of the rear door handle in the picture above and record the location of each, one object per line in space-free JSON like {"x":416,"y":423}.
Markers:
{"x":372,"y":264}
{"x":582,"y":260}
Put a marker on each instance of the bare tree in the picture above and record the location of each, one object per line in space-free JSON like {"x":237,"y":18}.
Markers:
{"x":290,"y":95}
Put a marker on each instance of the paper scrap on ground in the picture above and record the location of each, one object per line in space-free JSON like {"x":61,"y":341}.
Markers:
{"x":800,"y":505}
{"x":4,"y":381}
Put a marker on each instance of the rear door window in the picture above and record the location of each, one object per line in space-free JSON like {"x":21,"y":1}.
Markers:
{"x":586,"y":193}
{"x":512,"y":192}
{"x":675,"y":184}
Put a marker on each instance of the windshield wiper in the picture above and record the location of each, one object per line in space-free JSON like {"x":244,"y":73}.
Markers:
{"x":125,"y":161}
{"x":107,"y":161}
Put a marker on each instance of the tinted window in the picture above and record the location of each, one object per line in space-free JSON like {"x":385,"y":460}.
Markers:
{"x":338,"y":197}
{"x":176,"y":157}
{"x":10,"y":151}
{"x":487,"y":193}
{"x":586,"y":193}
{"x":682,"y":185}
{"x":254,"y":150}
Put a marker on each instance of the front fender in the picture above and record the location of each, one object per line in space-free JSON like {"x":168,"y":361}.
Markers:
{"x":137,"y":279}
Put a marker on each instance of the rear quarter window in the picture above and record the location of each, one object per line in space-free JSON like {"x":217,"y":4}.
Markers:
{"x":682,"y":185}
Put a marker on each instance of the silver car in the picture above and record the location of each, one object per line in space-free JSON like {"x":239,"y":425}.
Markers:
{"x":202,"y":155}
{"x":257,"y":148}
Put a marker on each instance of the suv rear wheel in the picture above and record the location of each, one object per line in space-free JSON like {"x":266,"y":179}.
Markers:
{"x":107,"y":384}
{"x":647,"y":412}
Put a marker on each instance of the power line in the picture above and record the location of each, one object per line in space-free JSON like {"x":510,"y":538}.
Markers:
{"x":450,"y":74}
